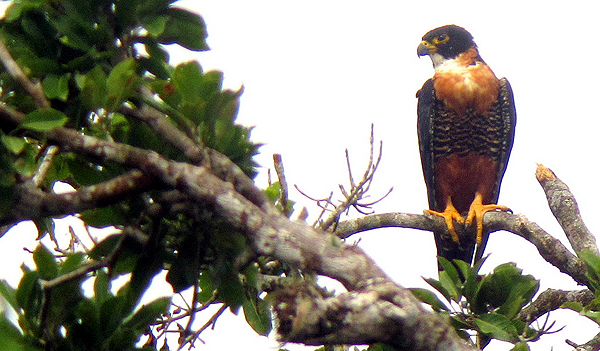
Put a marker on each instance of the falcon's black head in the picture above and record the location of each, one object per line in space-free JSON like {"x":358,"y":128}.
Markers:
{"x":447,"y":41}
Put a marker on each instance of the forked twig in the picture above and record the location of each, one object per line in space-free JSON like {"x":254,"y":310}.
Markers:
{"x":355,"y":196}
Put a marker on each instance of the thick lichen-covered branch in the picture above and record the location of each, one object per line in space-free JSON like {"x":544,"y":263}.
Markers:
{"x":564,"y":207}
{"x":552,"y":299}
{"x":380,"y":313}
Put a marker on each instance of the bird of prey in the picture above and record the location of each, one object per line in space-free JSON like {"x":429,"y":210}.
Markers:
{"x":466,"y":126}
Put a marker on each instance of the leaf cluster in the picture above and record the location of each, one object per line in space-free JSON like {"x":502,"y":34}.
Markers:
{"x":591,"y":310}
{"x":104,"y":321}
{"x":485,"y":305}
{"x":101,"y":65}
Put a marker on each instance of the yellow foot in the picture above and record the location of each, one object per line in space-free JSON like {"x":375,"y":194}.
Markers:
{"x":450,"y":215}
{"x":477,"y":210}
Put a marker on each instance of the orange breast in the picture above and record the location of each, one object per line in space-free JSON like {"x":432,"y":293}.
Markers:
{"x":466,"y":82}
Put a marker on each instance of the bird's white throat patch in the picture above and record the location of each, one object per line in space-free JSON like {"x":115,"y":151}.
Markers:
{"x":437,"y":60}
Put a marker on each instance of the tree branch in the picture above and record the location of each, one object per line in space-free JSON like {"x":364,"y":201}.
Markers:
{"x":218,"y":163}
{"x":33,"y":89}
{"x":592,"y":345}
{"x":550,"y":248}
{"x":380,"y":313}
{"x":551,"y":300}
{"x":32,"y":203}
{"x":566,"y":211}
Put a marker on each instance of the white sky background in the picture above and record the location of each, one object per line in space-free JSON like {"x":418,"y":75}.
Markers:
{"x":318,"y":73}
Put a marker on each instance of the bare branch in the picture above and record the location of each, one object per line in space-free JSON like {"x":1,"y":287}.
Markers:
{"x":210,"y":322}
{"x":33,"y":203}
{"x":278,"y":163}
{"x":550,"y":248}
{"x":592,"y":345}
{"x":564,"y":207}
{"x":44,"y":165}
{"x":218,"y":163}
{"x":551,"y":300}
{"x":33,"y":89}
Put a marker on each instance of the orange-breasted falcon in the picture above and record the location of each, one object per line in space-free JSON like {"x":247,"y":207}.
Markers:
{"x":466,"y":125}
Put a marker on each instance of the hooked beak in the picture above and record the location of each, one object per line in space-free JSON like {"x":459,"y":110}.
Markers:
{"x":426,"y":48}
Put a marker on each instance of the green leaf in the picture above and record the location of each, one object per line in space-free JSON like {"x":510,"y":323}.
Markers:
{"x":437,"y":285}
{"x":9,"y":294}
{"x":13,"y":144}
{"x":187,"y":80}
{"x":122,"y":83}
{"x":450,"y":270}
{"x":184,"y":270}
{"x":497,"y":326}
{"x":106,"y":246}
{"x":507,"y":289}
{"x":592,"y":262}
{"x":112,"y":314}
{"x":94,"y":89}
{"x":45,"y":262}
{"x":429,"y":298}
{"x":103,"y":217}
{"x":44,"y":119}
{"x":450,"y":285}
{"x":575,"y":306}
{"x":231,"y":291}
{"x":56,"y":87}
{"x":87,"y":333}
{"x":29,"y":294}
{"x":101,"y":287}
{"x":593,"y":315}
{"x":11,"y":339}
{"x":522,"y":290}
{"x":380,"y":347}
{"x":273,"y":192}
{"x":155,"y":24}
{"x":148,"y":314}
{"x":207,"y":289}
{"x":258,"y":315}
{"x":72,"y":262}
{"x":184,"y":28}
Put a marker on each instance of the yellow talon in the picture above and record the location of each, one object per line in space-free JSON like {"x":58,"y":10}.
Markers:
{"x":450,"y":215}
{"x":477,"y":210}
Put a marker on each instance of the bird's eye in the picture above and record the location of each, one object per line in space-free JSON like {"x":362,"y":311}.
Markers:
{"x":441,"y":39}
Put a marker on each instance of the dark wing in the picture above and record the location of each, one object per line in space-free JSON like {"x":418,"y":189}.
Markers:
{"x":506,"y":108}
{"x":425,"y":108}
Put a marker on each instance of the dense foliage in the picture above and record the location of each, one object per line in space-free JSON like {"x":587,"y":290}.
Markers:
{"x":98,"y":62}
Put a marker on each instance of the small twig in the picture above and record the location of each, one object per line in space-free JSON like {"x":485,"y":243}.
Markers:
{"x":324,"y":208}
{"x":81,"y":271}
{"x":592,"y":345}
{"x":358,"y":190}
{"x":188,"y":326}
{"x":44,"y":165}
{"x":210,"y":322}
{"x":33,"y":89}
{"x":76,"y":240}
{"x":283,"y":199}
